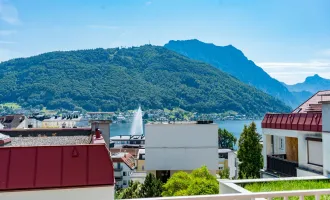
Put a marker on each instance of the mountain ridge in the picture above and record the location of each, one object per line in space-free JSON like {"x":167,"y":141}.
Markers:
{"x":233,"y":61}
{"x":111,"y":79}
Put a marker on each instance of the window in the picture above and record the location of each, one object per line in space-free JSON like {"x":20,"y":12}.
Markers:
{"x":315,"y":151}
{"x":223,"y":155}
{"x":124,"y":174}
{"x":281,"y":144}
{"x":142,"y":157}
{"x":124,"y":182}
{"x":142,"y":167}
{"x":221,"y":168}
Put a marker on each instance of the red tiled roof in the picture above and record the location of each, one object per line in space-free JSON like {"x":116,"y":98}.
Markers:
{"x":313,"y":104}
{"x":133,"y":151}
{"x":127,"y":158}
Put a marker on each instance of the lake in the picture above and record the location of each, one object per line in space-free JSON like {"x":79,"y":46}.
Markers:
{"x":233,"y":126}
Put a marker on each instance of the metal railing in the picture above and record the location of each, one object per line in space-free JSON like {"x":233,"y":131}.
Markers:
{"x":282,"y":166}
{"x":260,"y":195}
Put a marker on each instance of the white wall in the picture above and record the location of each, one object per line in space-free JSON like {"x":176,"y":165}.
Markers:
{"x":84,"y":193}
{"x":326,"y":138}
{"x":181,"y":146}
{"x":231,"y":164}
{"x":303,"y":173}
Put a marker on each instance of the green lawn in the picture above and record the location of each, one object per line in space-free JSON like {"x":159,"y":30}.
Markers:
{"x":290,"y":185}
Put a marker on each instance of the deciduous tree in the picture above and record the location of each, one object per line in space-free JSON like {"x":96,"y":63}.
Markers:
{"x":226,"y":139}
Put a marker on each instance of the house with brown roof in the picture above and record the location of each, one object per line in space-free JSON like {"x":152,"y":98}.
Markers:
{"x":296,"y":143}
{"x":124,"y":165}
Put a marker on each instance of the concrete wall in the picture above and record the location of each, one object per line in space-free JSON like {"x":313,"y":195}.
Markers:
{"x":184,"y":146}
{"x":303,"y":173}
{"x":84,"y":193}
{"x":231,"y":164}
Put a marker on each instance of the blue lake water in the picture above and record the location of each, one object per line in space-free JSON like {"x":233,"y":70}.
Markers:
{"x":234,"y":126}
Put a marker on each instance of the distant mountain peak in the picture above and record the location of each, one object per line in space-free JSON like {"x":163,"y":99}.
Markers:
{"x":312,"y":84}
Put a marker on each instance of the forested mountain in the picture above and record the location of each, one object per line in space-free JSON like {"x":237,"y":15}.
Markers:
{"x":311,"y":84}
{"x":233,"y":61}
{"x":111,"y":79}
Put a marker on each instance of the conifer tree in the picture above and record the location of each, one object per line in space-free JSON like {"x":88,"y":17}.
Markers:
{"x":250,"y":152}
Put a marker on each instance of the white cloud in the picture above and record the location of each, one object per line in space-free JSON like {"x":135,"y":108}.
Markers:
{"x":8,"y":12}
{"x":294,"y":72}
{"x":7,"y":42}
{"x":148,"y":3}
{"x":96,"y":26}
{"x":7,"y":32}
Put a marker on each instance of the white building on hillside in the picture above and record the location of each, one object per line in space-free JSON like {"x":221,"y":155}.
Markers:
{"x":181,"y":146}
{"x":296,"y":144}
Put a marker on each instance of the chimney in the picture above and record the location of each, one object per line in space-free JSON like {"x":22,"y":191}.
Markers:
{"x":97,"y":133}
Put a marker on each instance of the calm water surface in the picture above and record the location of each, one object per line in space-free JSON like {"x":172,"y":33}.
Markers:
{"x":235,"y":127}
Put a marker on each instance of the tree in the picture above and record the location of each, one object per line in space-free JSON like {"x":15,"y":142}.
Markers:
{"x":226,"y":139}
{"x":225,"y":173}
{"x":131,"y":192}
{"x":250,"y":152}
{"x":152,"y":187}
{"x":199,"y":182}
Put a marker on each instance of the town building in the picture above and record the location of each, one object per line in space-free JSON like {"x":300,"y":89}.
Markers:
{"x":182,"y":146}
{"x":69,"y":121}
{"x":56,"y":164}
{"x":141,"y":157}
{"x":129,"y":141}
{"x":124,"y":165}
{"x":228,"y":159}
{"x":14,"y":122}
{"x":296,"y":143}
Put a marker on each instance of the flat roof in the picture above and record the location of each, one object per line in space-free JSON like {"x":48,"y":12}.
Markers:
{"x":178,"y":123}
{"x":128,"y":137}
{"x":224,"y":150}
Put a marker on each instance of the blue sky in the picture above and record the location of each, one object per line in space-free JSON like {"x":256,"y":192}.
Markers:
{"x":288,"y":39}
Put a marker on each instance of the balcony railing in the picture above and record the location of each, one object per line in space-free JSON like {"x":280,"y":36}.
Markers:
{"x":260,"y":195}
{"x":282,"y":166}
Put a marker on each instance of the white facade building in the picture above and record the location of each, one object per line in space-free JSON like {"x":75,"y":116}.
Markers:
{"x":228,"y":159}
{"x":180,"y":147}
{"x":123,"y":165}
{"x":296,"y":144}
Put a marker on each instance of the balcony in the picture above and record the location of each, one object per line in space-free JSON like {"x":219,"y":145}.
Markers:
{"x":117,"y":169}
{"x":277,"y":164}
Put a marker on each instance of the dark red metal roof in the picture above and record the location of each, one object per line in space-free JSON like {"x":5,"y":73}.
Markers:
{"x":55,"y":166}
{"x":294,"y":121}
